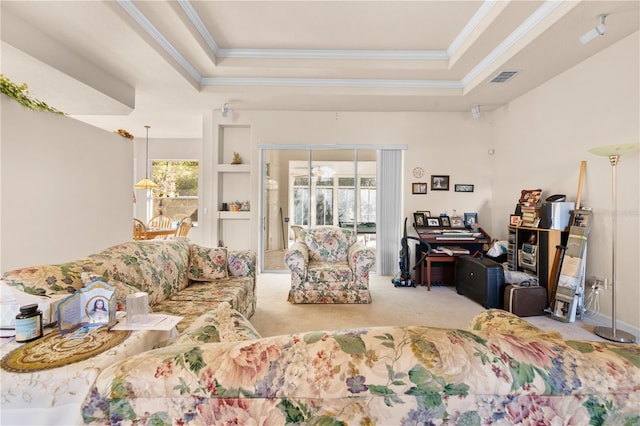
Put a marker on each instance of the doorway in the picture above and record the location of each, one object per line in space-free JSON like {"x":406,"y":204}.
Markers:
{"x":315,"y":186}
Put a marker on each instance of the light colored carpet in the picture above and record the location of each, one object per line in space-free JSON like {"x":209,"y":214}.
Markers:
{"x":440,"y":307}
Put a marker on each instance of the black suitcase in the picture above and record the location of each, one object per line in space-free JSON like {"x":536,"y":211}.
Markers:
{"x":525,"y":301}
{"x":480,"y":279}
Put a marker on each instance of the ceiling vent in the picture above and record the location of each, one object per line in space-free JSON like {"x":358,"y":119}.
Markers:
{"x":504,"y":76}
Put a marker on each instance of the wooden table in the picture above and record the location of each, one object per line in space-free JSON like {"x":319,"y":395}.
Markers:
{"x":158,"y":232}
{"x":435,"y":258}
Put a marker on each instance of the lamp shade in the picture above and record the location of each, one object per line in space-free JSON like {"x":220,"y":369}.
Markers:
{"x":618,"y":150}
{"x":145,"y":184}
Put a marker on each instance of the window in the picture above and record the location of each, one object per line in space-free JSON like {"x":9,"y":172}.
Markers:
{"x":177,"y":192}
{"x":336,"y":200}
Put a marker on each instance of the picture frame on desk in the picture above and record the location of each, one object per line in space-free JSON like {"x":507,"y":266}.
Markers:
{"x":457,"y":222}
{"x":470,"y":220}
{"x":433,"y":222}
{"x":446,"y":221}
{"x":426,"y":213}
{"x":418,"y":219}
{"x":419,"y":188}
{"x":439,"y":182}
{"x":515,"y":220}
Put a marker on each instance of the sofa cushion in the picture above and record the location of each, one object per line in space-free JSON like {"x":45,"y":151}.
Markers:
{"x":157,"y":267}
{"x":203,"y":296}
{"x":207,"y":263}
{"x":222,"y":324}
{"x":328,"y":243}
{"x":64,"y":278}
{"x":320,"y":272}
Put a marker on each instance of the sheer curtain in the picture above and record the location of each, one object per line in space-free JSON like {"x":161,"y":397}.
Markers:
{"x":389,"y":209}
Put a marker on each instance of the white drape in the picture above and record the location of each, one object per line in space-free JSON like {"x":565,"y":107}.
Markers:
{"x":388,"y":210}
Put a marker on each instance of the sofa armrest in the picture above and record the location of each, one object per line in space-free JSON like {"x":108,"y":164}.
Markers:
{"x":361,"y":259}
{"x":297,"y":259}
{"x":241,"y":263}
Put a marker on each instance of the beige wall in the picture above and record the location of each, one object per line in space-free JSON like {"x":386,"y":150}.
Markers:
{"x":66,"y":188}
{"x":541,"y":139}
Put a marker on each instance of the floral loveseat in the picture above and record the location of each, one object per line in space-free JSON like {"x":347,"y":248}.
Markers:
{"x":328,"y":265}
{"x":501,"y":371}
{"x":212,"y":289}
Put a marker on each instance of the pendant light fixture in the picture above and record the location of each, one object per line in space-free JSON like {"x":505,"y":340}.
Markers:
{"x":146,"y":183}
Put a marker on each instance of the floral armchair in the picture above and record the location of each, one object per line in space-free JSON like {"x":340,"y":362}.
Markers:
{"x":328,"y":265}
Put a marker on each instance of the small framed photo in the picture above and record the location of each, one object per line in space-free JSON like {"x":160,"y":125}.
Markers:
{"x":439,"y":183}
{"x":446,"y":221}
{"x":418,"y":220}
{"x":457,"y":222}
{"x":419,"y":188}
{"x":470,"y":219}
{"x":426,"y":213}
{"x":463,"y":187}
{"x":515,"y":220}
{"x":433,"y":222}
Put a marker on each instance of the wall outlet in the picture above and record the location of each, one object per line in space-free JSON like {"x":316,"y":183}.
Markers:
{"x":599,"y":282}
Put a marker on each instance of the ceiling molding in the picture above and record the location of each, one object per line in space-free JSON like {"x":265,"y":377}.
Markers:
{"x":164,"y":43}
{"x":384,"y":55}
{"x":468,"y":29}
{"x":329,"y":82}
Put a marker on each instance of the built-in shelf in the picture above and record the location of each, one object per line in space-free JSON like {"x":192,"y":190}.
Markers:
{"x":234,"y":168}
{"x":234,"y":215}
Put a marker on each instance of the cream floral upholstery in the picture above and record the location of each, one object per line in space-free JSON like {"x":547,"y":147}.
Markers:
{"x":328,"y":265}
{"x":410,"y":375}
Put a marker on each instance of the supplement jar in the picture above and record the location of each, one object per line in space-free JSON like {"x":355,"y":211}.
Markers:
{"x":28,"y":323}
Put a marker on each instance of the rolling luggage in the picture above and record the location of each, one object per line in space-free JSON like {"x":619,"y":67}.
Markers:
{"x":480,"y":279}
{"x":525,"y":301}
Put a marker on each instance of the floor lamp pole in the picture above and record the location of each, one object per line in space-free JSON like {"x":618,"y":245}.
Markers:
{"x":612,"y":333}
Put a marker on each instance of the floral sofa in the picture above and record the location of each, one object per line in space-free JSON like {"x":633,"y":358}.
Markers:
{"x":212,"y":289}
{"x":328,"y":265}
{"x":501,"y":371}
{"x":180,"y":278}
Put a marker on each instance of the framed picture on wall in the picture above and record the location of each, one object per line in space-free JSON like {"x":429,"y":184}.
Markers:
{"x":439,"y":183}
{"x":460,"y":187}
{"x":419,"y":188}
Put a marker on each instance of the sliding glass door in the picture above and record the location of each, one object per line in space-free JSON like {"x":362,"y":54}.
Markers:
{"x":316,"y":187}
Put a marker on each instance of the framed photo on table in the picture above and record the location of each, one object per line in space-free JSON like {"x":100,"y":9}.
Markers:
{"x":457,"y":222}
{"x":446,"y":221}
{"x":433,"y":222}
{"x":419,"y":188}
{"x":418,"y":220}
{"x":470,"y":219}
{"x":514,"y":220}
{"x":439,"y":183}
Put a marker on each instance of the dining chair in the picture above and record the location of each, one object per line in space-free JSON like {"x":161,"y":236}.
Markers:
{"x":139,"y":230}
{"x":160,"y":221}
{"x":184,"y":227}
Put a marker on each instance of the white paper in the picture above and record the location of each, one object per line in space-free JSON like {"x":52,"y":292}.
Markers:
{"x":154,"y":322}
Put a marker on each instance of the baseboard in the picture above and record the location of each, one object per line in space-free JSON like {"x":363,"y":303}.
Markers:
{"x":605,"y":320}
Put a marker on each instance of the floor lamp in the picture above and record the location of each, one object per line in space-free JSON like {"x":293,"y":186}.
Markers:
{"x":614,"y":152}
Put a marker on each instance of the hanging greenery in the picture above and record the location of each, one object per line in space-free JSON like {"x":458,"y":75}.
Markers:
{"x":21,"y":95}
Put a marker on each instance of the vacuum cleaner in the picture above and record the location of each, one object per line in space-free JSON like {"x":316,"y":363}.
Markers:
{"x":403,"y":279}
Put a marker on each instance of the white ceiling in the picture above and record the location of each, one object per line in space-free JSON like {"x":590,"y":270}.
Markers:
{"x":125,"y":64}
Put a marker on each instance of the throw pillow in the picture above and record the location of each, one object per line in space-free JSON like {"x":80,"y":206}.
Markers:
{"x":207,"y":263}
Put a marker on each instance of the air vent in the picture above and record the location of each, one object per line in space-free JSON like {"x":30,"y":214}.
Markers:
{"x":503,"y":76}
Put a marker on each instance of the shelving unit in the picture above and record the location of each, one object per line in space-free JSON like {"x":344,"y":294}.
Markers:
{"x":234,"y":182}
{"x":545,"y":241}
